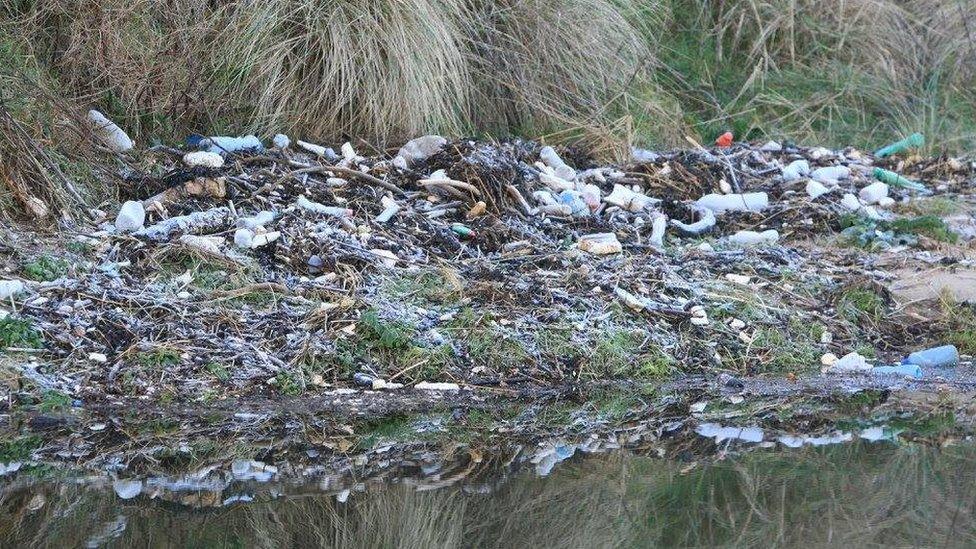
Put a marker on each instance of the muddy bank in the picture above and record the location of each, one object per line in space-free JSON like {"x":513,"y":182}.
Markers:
{"x":292,"y":303}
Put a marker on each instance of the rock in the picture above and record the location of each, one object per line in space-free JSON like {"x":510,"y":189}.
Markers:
{"x":111,"y":135}
{"x":873,"y":193}
{"x":816,"y":189}
{"x":421,"y":148}
{"x":131,"y":217}
{"x":10,"y":288}
{"x":747,"y":202}
{"x":281,"y":141}
{"x":753,"y":238}
{"x":205,"y":159}
{"x":600,"y":244}
{"x":98,"y":357}
{"x":771,"y":146}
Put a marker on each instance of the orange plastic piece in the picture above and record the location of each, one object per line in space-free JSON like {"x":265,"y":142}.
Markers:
{"x":725,"y":140}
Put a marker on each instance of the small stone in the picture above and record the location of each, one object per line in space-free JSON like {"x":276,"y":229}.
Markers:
{"x":281,"y":141}
{"x":97,"y":357}
{"x":131,"y":217}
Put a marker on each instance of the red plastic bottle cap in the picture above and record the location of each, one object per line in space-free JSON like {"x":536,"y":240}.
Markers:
{"x":725,"y":140}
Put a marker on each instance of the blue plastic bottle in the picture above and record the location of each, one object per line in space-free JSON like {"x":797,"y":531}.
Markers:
{"x":946,"y":356}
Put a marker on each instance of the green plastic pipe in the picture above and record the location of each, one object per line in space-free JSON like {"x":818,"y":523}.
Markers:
{"x":913,"y":141}
{"x":896,"y":180}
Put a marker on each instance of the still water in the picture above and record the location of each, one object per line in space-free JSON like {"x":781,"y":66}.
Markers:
{"x":853,"y":495}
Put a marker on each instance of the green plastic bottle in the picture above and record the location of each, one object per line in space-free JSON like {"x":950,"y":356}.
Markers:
{"x":913,"y":141}
{"x":896,"y":180}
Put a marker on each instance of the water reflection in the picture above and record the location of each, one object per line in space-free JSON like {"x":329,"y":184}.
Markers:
{"x":855,"y":495}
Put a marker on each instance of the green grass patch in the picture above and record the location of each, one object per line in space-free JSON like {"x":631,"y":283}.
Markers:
{"x":54,"y":401}
{"x":925,"y":225}
{"x":442,"y":287}
{"x":624,"y":353}
{"x":19,"y":332}
{"x":787,"y":350}
{"x":45,"y":268}
{"x":159,"y":358}
{"x":19,"y":449}
{"x":858,"y":304}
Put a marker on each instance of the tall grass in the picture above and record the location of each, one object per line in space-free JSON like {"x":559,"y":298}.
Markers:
{"x":604,"y":73}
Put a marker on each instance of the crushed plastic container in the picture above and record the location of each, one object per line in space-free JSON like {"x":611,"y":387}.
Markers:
{"x":746,"y":202}
{"x":946,"y":356}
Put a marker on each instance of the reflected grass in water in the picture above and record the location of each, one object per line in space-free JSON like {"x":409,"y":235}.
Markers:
{"x":853,"y":495}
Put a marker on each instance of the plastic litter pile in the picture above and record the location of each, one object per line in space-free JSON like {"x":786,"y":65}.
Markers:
{"x":541,"y":236}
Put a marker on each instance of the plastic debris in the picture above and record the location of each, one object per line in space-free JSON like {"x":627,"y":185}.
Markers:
{"x":227,"y":145}
{"x":421,"y":148}
{"x":629,"y":200}
{"x":205,"y":159}
{"x":600,"y":244}
{"x":429,"y":386}
{"x":895,"y":180}
{"x":946,"y":356}
{"x":704,"y":224}
{"x":390,"y":208}
{"x":747,"y":202}
{"x":914,"y":141}
{"x":108,"y":133}
{"x":795,"y":170}
{"x":127,"y":489}
{"x":10,"y":288}
{"x":851,"y":362}
{"x":720,"y":433}
{"x":306,"y":204}
{"x":831,"y":174}
{"x":725,"y":140}
{"x":753,"y":238}
{"x":873,"y":193}
{"x":551,"y":158}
